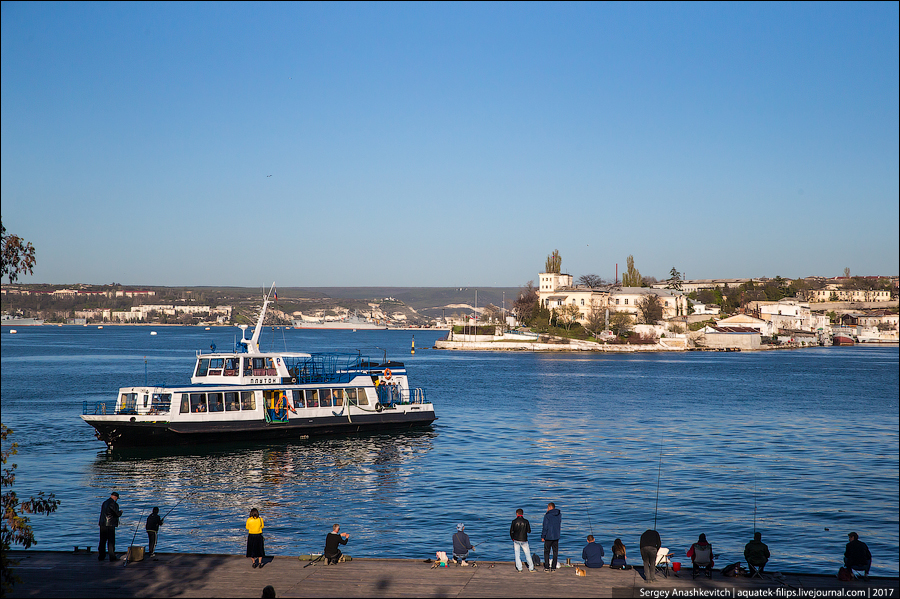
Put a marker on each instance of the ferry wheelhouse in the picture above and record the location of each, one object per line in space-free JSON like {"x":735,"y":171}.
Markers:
{"x":252,"y":395}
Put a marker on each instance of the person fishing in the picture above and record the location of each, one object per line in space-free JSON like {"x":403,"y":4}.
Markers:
{"x":109,"y":520}
{"x":333,"y":541}
{"x":152,"y":528}
{"x":461,"y":545}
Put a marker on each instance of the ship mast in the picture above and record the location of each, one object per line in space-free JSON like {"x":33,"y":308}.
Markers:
{"x":252,"y":344}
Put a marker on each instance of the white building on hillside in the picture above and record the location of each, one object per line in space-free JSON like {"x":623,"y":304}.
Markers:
{"x":556,"y":290}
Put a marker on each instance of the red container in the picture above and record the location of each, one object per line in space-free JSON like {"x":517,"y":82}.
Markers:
{"x":676,"y":566}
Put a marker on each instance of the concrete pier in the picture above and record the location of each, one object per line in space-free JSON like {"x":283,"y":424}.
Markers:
{"x":61,"y":574}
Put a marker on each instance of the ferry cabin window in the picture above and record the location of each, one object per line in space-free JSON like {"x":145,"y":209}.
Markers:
{"x":362,"y":398}
{"x":216,"y":404}
{"x":338,"y":397}
{"x":232,"y":365}
{"x":259,"y":367}
{"x":160,"y":403}
{"x":297,"y":398}
{"x":202,"y":367}
{"x":129,"y":402}
{"x":198,"y":402}
{"x":312,"y":398}
{"x":215,"y":366}
{"x":324,"y":398}
{"x":146,"y":400}
{"x":248,"y":400}
{"x":185,"y":403}
{"x":270,"y":367}
{"x":248,"y":366}
{"x":232,"y":404}
{"x":351,"y":397}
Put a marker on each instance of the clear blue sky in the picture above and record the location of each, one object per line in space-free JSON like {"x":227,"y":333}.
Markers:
{"x":449,"y":144}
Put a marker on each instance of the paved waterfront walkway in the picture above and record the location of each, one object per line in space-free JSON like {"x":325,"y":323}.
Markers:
{"x":61,"y":574}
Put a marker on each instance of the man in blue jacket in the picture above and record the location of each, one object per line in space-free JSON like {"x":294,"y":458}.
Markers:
{"x":109,"y":520}
{"x":592,"y":554}
{"x":550,"y":536}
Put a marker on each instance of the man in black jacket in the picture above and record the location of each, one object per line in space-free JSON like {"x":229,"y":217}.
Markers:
{"x":650,"y":544}
{"x":857,"y":555}
{"x":518,"y":532}
{"x":109,"y":520}
{"x":333,"y":541}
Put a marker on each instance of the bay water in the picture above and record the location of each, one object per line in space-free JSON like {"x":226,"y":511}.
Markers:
{"x":801,"y":445}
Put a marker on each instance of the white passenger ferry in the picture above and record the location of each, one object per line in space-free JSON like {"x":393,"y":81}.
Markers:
{"x":252,"y":395}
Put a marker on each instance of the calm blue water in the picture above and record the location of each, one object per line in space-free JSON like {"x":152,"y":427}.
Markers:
{"x":806,"y":438}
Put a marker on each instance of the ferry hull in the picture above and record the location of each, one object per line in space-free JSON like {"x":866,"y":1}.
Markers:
{"x":118,"y":434}
{"x":843,"y":340}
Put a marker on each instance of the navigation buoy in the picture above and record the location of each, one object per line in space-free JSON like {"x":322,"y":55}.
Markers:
{"x":100,"y":327}
{"x":13,"y":332}
{"x":152,"y":332}
{"x":413,"y":349}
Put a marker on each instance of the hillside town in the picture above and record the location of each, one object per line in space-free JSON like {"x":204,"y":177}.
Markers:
{"x":676,"y":313}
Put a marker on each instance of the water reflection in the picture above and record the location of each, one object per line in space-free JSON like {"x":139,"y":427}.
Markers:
{"x":299,"y":487}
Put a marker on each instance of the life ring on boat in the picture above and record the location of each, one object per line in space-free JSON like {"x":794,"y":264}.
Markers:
{"x":387,"y":374}
{"x":378,"y":407}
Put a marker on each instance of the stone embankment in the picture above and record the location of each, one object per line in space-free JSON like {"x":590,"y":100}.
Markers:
{"x":59,"y":574}
{"x":546,"y":343}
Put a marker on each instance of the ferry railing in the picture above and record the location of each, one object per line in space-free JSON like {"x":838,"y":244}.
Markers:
{"x":98,"y":408}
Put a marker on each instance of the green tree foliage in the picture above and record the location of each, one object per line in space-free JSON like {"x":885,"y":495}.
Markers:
{"x":553,"y":263}
{"x":15,"y":529}
{"x":675,"y":279}
{"x":620,"y":322}
{"x":16,"y":256}
{"x":632,"y":276}
{"x":650,"y":308}
{"x":568,"y":315}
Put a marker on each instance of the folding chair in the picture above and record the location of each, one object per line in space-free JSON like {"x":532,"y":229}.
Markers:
{"x":663,"y":560}
{"x":702,"y":560}
{"x":755,"y":570}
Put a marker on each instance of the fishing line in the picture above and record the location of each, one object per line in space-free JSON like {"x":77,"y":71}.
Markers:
{"x":589,"y":516}
{"x":179,"y":503}
{"x":658,"y":475}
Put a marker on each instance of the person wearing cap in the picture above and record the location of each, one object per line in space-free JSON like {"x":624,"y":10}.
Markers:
{"x":756,"y":553}
{"x":461,"y":545}
{"x":857,"y":555}
{"x":109,"y":520}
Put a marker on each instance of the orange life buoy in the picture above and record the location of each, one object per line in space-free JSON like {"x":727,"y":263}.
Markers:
{"x":387,"y":374}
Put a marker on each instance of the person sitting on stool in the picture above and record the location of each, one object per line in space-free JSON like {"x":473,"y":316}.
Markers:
{"x":332,"y":542}
{"x":461,"y":545}
{"x":756,"y":553}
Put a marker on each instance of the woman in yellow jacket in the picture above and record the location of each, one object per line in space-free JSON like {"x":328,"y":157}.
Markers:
{"x":255,"y":547}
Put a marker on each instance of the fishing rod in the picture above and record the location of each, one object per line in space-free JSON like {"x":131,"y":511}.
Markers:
{"x":314,"y":561}
{"x":754,"y":505}
{"x":133,"y":537}
{"x":592,"y":525}
{"x":658,"y":475}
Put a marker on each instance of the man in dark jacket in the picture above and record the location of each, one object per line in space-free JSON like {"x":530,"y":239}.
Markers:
{"x":461,"y":545}
{"x":857,"y":555}
{"x":109,"y":520}
{"x":518,"y":532}
{"x":152,"y":528}
{"x":756,"y":553}
{"x":550,"y":533}
{"x":592,"y":554}
{"x":333,"y":540}
{"x":650,"y":544}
